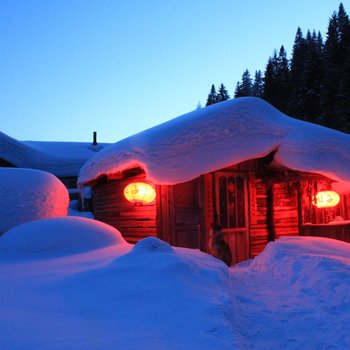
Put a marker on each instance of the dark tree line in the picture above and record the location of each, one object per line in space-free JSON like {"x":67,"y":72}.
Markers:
{"x":314,"y":84}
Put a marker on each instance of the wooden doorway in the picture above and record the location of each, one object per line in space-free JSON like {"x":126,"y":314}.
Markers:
{"x":232,"y":212}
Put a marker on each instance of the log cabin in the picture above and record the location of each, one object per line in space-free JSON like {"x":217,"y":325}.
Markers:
{"x":240,"y":164}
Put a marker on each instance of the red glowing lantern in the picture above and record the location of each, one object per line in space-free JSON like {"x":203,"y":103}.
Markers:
{"x":139,"y":193}
{"x":326,"y":199}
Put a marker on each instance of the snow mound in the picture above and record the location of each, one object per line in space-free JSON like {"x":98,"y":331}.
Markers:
{"x":28,"y":195}
{"x":312,"y":265}
{"x":57,"y":237}
{"x":152,"y":244}
{"x":220,"y":135}
{"x":153,"y":296}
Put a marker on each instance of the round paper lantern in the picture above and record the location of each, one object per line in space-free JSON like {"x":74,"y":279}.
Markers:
{"x":139,"y":193}
{"x":326,"y":199}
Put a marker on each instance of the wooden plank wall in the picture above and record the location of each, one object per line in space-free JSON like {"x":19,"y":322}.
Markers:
{"x":340,"y":232}
{"x":110,"y":206}
{"x":257,"y":215}
{"x":284,"y":214}
{"x":187,"y":219}
{"x":285,"y":203}
{"x":179,"y":219}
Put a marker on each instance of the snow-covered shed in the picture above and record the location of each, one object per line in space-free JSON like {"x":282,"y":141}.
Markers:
{"x":241,"y":164}
{"x":63,"y":159}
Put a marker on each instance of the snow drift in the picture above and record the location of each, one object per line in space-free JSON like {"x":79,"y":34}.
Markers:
{"x":223,"y":134}
{"x":55,"y":237}
{"x":294,"y":295}
{"x":105,"y":294}
{"x":28,"y":195}
{"x":73,"y":283}
{"x":311,"y":265}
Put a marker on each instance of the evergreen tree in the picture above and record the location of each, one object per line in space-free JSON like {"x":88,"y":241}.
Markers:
{"x":258,"y":85}
{"x":199,"y":105}
{"x":244,"y":88}
{"x":332,"y":61}
{"x":297,"y":89}
{"x":312,"y":78}
{"x":222,"y":94}
{"x":270,"y":80}
{"x":342,"y":107}
{"x":277,"y":80}
{"x":283,"y":79}
{"x":212,"y":97}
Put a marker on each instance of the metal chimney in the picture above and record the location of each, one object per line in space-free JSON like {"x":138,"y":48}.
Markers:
{"x":94,"y":138}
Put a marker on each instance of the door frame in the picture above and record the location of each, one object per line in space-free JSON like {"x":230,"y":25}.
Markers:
{"x":237,"y":254}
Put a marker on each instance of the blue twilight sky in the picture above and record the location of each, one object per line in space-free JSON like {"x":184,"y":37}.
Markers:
{"x":71,"y":67}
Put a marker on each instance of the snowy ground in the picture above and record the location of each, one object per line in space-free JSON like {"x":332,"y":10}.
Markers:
{"x":295,"y":295}
{"x":74,"y":283}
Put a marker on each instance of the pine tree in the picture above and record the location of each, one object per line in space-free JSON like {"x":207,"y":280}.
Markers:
{"x":244,"y":88}
{"x":312,"y":78}
{"x":258,"y":85}
{"x":212,"y":97}
{"x":270,"y":80}
{"x":199,"y":105}
{"x":331,"y":62}
{"x":277,"y":80}
{"x":283,"y":79}
{"x":297,"y":66}
{"x":342,"y":106}
{"x":222,"y":94}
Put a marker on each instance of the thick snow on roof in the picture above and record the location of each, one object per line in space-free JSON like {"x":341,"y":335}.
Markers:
{"x":28,"y":195}
{"x":223,"y":134}
{"x":59,"y":158}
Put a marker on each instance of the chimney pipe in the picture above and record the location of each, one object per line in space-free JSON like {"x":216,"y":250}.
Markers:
{"x":94,"y":138}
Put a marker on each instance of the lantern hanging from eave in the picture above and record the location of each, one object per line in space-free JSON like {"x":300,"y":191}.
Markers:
{"x":326,"y":199}
{"x":139,"y":193}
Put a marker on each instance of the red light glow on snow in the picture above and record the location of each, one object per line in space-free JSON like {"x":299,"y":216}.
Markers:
{"x":326,"y":199}
{"x":139,"y":193}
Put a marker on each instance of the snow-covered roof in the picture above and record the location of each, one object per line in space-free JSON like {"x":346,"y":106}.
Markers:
{"x":221,"y":135}
{"x":59,"y":158}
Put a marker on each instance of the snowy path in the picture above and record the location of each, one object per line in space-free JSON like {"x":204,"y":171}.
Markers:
{"x":269,"y":313}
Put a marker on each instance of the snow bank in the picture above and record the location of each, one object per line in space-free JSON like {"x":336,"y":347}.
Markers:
{"x":28,"y":195}
{"x":223,"y":134}
{"x":294,"y":295}
{"x":313,"y":265}
{"x":152,"y":296}
{"x":57,"y":237}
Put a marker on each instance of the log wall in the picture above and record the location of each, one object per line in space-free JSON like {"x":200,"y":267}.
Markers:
{"x":110,"y":206}
{"x":258,"y":201}
{"x":273,"y":212}
{"x":179,"y":217}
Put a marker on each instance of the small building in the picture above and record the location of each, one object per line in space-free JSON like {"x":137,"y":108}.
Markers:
{"x":62,"y":159}
{"x":240,"y":164}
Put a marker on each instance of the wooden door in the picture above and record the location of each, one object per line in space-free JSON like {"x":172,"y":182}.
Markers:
{"x":232,"y":212}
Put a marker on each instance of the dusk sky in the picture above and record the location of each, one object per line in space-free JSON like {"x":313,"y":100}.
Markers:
{"x":71,"y":67}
